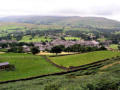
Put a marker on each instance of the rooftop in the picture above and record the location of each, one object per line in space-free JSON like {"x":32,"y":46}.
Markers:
{"x":4,"y":63}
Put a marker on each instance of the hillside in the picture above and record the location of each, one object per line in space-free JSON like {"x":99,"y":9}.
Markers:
{"x":96,"y":22}
{"x":21,"y":28}
{"x":101,"y":76}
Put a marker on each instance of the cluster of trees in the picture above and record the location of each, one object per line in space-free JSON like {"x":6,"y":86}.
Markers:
{"x":19,"y":49}
{"x":75,"y":48}
{"x":16,"y":49}
{"x":18,"y":35}
{"x":97,"y":32}
{"x":14,"y":44}
{"x":35,"y":50}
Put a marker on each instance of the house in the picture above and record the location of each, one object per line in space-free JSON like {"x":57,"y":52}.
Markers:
{"x":4,"y":65}
{"x":8,"y":41}
{"x":26,"y":48}
{"x":65,"y":43}
{"x":106,"y":43}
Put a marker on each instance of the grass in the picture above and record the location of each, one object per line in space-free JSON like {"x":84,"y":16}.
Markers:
{"x":27,"y":65}
{"x":113,"y":46}
{"x":72,"y":38}
{"x":29,"y":38}
{"x":81,"y":59}
{"x":102,"y":39}
{"x":90,"y":79}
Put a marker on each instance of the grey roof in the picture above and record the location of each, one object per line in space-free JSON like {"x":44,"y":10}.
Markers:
{"x":4,"y":63}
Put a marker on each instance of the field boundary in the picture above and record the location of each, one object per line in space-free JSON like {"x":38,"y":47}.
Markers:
{"x":81,"y":66}
{"x":58,"y":66}
{"x":63,"y":72}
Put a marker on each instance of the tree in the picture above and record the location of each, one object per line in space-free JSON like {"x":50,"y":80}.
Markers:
{"x":35,"y":50}
{"x":56,"y":49}
{"x":119,"y":47}
{"x":102,"y":48}
{"x":17,"y":49}
{"x":4,"y":45}
{"x":62,"y":38}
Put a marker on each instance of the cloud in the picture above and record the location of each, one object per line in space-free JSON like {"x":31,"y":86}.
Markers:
{"x":104,"y":8}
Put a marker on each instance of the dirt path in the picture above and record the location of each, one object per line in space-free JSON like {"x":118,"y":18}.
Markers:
{"x":2,"y":52}
{"x":109,"y":65}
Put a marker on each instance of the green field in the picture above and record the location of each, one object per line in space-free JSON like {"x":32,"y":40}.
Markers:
{"x":12,"y":28}
{"x":81,"y":59}
{"x":93,"y":78}
{"x":72,"y":38}
{"x":35,"y":39}
{"x":114,"y":46}
{"x":101,"y":39}
{"x":27,"y":65}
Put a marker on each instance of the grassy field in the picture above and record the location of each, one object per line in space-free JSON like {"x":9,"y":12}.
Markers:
{"x":93,"y":78}
{"x":101,"y":39}
{"x":72,"y":38}
{"x":35,"y":39}
{"x":114,"y":46}
{"x":12,"y":28}
{"x":81,"y":59}
{"x":27,"y":65}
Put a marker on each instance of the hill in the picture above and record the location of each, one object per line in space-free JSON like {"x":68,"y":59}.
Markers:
{"x":96,"y":22}
{"x":20,"y":27}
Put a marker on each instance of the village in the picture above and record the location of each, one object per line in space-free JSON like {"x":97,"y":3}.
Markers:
{"x":45,"y":46}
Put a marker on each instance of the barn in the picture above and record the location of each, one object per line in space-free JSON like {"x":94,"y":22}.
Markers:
{"x":4,"y":65}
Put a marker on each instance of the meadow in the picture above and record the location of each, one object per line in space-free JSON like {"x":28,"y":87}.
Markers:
{"x":81,"y":59}
{"x":29,"y":38}
{"x":114,"y":46}
{"x":101,"y":39}
{"x":93,"y":78}
{"x":26,"y":65}
{"x":72,"y":38}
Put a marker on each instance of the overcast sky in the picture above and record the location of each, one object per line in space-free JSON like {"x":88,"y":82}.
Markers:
{"x":99,"y":8}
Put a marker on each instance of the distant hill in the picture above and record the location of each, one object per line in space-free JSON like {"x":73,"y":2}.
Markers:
{"x":75,"y":21}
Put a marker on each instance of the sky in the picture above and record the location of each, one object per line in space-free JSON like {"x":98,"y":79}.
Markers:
{"x":93,"y":8}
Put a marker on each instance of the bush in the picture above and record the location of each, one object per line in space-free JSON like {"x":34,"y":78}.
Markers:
{"x":35,"y":50}
{"x":57,"y":49}
{"x":10,"y":68}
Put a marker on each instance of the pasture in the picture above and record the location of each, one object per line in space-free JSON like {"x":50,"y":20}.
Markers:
{"x":72,"y":38}
{"x":93,"y":78}
{"x":81,"y":59}
{"x":101,"y":39}
{"x":29,"y":38}
{"x":27,"y":65}
{"x":113,"y":46}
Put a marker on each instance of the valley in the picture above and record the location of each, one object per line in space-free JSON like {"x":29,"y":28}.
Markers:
{"x":59,"y":53}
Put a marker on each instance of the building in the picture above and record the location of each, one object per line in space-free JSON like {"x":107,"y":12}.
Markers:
{"x":65,"y":43}
{"x":26,"y":48}
{"x":4,"y":65}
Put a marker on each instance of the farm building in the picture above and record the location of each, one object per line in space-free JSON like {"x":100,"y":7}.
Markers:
{"x":4,"y":65}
